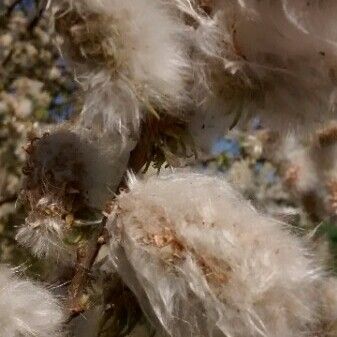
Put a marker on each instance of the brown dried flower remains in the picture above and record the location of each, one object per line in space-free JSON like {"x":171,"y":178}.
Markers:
{"x":50,"y":189}
{"x":174,"y":251}
{"x":89,"y":42}
{"x":164,"y":140}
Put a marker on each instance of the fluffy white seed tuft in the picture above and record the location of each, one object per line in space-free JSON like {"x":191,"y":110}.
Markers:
{"x":329,"y":308}
{"x":45,"y":237}
{"x":129,"y":56}
{"x":27,"y":309}
{"x":275,"y":59}
{"x":203,"y":262}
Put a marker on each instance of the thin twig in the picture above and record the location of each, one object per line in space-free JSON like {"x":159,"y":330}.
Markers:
{"x":86,"y":256}
{"x":85,"y":259}
{"x":10,"y":8}
{"x":42,"y":4}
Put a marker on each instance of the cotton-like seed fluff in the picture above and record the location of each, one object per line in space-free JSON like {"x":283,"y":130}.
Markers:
{"x":128,"y":55}
{"x":27,"y":309}
{"x":202,"y":261}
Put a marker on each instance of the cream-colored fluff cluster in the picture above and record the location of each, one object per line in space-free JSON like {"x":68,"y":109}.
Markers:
{"x":203,"y":262}
{"x":45,"y":236}
{"x":26,"y":308}
{"x":128,"y":55}
{"x":329,"y":308}
{"x":68,"y":171}
{"x":273,"y":59}
{"x":245,"y":58}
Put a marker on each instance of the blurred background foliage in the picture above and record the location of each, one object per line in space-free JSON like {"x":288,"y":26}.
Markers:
{"x":35,"y":90}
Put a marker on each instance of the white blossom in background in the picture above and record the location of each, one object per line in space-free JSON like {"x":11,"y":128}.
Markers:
{"x":129,"y":56}
{"x":202,"y":261}
{"x":27,"y":309}
{"x":240,"y":175}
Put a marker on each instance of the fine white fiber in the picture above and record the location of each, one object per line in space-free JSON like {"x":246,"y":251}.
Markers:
{"x":203,"y":262}
{"x":26,"y":308}
{"x":129,"y":56}
{"x":272,"y":59}
{"x":329,"y":308}
{"x":45,"y":236}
